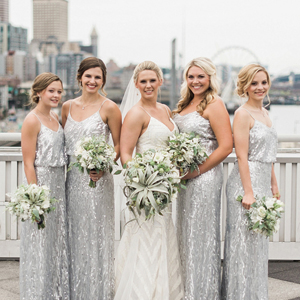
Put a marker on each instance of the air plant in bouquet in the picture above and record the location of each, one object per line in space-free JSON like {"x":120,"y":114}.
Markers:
{"x":152,"y":182}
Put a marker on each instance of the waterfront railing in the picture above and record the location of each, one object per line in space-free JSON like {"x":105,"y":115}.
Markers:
{"x":284,"y":245}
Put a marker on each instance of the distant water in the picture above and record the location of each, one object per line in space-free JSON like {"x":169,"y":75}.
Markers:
{"x":285,"y":118}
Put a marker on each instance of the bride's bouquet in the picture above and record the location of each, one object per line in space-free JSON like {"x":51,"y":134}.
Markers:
{"x":94,"y":154}
{"x":264,"y":215}
{"x":31,"y":202}
{"x":186,"y":151}
{"x":152,"y":182}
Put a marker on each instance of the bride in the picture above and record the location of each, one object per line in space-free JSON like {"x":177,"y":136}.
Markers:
{"x":147,"y":262}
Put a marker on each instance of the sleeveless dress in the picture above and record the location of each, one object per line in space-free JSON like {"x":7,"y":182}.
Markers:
{"x":245,"y":270}
{"x":90,"y":215}
{"x":198,"y":219}
{"x":147,"y":262}
{"x":43,"y":253}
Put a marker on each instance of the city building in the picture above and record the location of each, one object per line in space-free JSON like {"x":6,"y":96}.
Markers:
{"x":4,"y":11}
{"x":50,"y":19}
{"x":15,"y":64}
{"x":17,"y":38}
{"x":93,"y":48}
{"x":3,"y":37}
{"x":12,"y":38}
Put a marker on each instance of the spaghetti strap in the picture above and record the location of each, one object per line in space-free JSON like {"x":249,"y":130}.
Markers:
{"x":248,"y":112}
{"x":37,"y":117}
{"x":145,"y":111}
{"x":168,"y":113}
{"x":70,"y":107}
{"x":102,"y":103}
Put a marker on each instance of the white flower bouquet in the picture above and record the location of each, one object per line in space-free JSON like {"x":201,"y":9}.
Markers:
{"x":264,"y":215}
{"x":31,"y":202}
{"x":94,"y":154}
{"x":186,"y":151}
{"x":152,"y":182}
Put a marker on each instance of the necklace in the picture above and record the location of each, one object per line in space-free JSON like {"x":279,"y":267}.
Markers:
{"x":45,"y":115}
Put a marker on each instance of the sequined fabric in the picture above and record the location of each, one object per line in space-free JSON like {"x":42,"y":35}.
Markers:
{"x":198,"y":219}
{"x":90,"y":213}
{"x":245,"y":270}
{"x":43,"y":253}
{"x":147,"y":262}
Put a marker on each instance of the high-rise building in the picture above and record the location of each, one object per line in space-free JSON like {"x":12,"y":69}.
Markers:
{"x":17,"y":38}
{"x":4,"y":11}
{"x":50,"y":19}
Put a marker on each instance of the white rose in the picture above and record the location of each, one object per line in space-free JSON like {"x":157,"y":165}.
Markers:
{"x":135,"y":179}
{"x":261,"y":211}
{"x":46,"y":204}
{"x":269,"y":203}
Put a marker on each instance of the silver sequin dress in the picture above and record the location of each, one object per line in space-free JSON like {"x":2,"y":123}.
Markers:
{"x":147,"y":262}
{"x":198,"y":219}
{"x":245,"y":270}
{"x":90,"y":213}
{"x":43,"y":253}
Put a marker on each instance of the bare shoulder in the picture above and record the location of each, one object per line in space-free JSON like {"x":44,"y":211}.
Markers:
{"x":66,"y":104}
{"x":136,"y":115}
{"x":166,"y":107}
{"x":242,"y":117}
{"x":216,"y":102}
{"x":31,"y":123}
{"x":110,"y":105}
{"x":241,"y":113}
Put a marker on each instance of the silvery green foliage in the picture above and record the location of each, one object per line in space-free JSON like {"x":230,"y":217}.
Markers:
{"x":93,"y":153}
{"x":186,"y":151}
{"x":31,"y":202}
{"x":152,"y":182}
{"x":264,"y":215}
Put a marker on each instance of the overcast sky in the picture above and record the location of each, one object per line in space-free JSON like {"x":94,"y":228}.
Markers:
{"x":137,"y":30}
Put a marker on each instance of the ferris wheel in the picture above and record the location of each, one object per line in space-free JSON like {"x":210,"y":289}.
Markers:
{"x":229,"y":61}
{"x":234,"y":56}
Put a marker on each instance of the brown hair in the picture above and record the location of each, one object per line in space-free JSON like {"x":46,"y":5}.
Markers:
{"x":89,"y":63}
{"x":187,"y":95}
{"x":41,"y":82}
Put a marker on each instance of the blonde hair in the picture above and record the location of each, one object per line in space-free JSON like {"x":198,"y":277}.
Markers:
{"x":245,"y":78}
{"x":147,"y":65}
{"x":41,"y":82}
{"x":187,"y":95}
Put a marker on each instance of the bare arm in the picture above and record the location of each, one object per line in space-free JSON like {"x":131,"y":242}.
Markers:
{"x":132,"y":128}
{"x":220,"y":123}
{"x":64,"y":112}
{"x":113,"y":119}
{"x":241,"y":130}
{"x":30,"y":131}
{"x":274,"y":186}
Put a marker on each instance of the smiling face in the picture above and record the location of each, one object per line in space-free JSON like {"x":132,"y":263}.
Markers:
{"x":148,"y":84}
{"x":52,"y":94}
{"x":259,"y":87}
{"x":197,"y":80}
{"x":92,"y":80}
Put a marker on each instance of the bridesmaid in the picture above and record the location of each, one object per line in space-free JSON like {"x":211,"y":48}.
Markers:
{"x":43,"y":255}
{"x":198,"y":211}
{"x":245,"y":273}
{"x":90,"y":211}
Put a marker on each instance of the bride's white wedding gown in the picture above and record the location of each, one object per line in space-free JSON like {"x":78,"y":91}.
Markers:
{"x":147,"y":262}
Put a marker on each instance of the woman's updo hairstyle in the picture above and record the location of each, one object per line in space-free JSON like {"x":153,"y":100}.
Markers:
{"x":89,"y":63}
{"x":245,"y":78}
{"x":187,"y":95}
{"x":41,"y":82}
{"x":147,"y":65}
